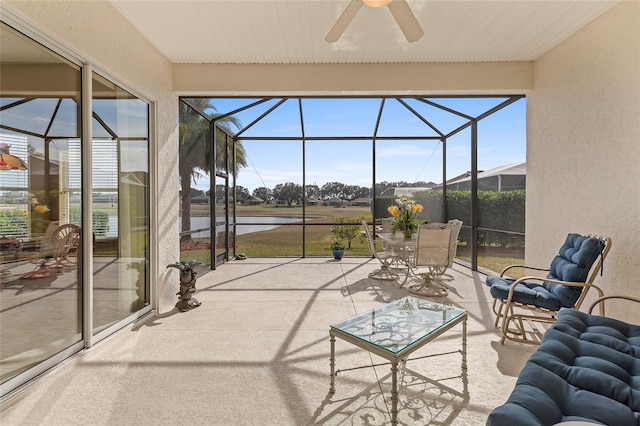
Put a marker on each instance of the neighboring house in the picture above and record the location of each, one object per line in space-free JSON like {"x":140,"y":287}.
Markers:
{"x":200,"y":199}
{"x":510,"y":177}
{"x":335,"y":202}
{"x":254,"y":201}
{"x":408,"y":190}
{"x":362,"y":201}
{"x":313,"y":201}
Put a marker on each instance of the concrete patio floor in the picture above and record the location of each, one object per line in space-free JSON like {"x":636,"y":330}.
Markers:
{"x":257,"y":353}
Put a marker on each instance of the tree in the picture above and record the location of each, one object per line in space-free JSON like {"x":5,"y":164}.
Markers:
{"x":333,"y":190}
{"x":312,"y":191}
{"x":348,"y":229}
{"x":361,"y":192}
{"x":352,"y":192}
{"x":242,"y":194}
{"x":289,"y":192}
{"x":263,"y":193}
{"x":195,"y":151}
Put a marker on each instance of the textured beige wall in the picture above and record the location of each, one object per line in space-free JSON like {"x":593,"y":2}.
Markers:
{"x":97,"y":32}
{"x":583,"y":147}
{"x":348,"y":79}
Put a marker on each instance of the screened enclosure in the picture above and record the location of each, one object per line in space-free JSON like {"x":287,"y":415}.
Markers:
{"x":293,"y":174}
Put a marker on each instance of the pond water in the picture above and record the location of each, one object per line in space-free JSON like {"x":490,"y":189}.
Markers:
{"x":262,"y":223}
{"x":199,"y":222}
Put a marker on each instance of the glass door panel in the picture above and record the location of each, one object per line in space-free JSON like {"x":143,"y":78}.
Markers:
{"x":224,"y":237}
{"x":195,"y":181}
{"x":275,"y":210}
{"x":40,"y":220}
{"x":502,"y":188}
{"x":120,"y":203}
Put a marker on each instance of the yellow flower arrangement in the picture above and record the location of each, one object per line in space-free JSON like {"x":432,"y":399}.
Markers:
{"x":41,"y":208}
{"x":405,"y":215}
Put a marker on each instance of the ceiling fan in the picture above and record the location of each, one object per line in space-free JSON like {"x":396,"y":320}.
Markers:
{"x":399,"y":9}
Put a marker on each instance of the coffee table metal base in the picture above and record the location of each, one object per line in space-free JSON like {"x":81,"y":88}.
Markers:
{"x":393,"y":360}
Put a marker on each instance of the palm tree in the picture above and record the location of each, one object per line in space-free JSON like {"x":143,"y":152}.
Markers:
{"x":195,"y":151}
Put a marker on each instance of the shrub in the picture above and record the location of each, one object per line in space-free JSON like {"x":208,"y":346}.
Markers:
{"x":500,"y":211}
{"x":14,"y":223}
{"x":100,"y":221}
{"x":348,"y":229}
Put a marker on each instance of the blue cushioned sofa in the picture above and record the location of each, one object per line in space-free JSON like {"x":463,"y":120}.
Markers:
{"x":587,"y":369}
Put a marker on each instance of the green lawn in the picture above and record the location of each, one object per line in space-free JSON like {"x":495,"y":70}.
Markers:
{"x":286,"y":240}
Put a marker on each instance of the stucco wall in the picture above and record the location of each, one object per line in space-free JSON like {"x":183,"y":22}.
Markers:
{"x":348,"y":79}
{"x":102,"y":37}
{"x":583,"y":150}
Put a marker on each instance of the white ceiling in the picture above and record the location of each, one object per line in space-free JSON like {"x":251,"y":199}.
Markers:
{"x":293,"y":31}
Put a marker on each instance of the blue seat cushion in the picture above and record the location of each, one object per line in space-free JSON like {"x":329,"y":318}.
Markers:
{"x":587,"y":368}
{"x":527,"y":293}
{"x":572,"y":263}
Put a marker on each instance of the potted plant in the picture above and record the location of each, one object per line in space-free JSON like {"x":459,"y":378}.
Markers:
{"x":338,"y":249}
{"x":188,"y":274}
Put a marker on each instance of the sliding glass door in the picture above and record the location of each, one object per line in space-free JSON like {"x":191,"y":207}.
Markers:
{"x":40,"y":209}
{"x":120,"y":198}
{"x":49,"y":308}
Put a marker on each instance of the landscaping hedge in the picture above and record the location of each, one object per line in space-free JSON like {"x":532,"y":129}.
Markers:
{"x":502,"y":211}
{"x":14,"y":223}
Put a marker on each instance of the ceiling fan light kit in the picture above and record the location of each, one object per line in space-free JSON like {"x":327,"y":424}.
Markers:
{"x":400,"y":10}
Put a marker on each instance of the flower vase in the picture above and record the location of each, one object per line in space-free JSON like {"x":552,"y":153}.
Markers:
{"x":408,"y":233}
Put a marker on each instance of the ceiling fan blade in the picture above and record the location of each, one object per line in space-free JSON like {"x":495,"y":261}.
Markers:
{"x":343,"y":21}
{"x":406,"y":20}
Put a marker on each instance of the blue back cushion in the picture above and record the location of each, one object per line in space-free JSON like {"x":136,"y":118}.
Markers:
{"x":573,"y":262}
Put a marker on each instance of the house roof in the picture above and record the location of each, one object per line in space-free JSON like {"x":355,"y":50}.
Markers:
{"x":294,"y":31}
{"x":519,"y":169}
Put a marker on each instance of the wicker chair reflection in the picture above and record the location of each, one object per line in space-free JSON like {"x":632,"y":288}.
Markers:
{"x":435,"y":251}
{"x":533,"y":299}
{"x":57,"y":253}
{"x":386,"y":258}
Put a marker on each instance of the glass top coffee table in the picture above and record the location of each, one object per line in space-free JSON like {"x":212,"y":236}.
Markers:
{"x":396,"y":330}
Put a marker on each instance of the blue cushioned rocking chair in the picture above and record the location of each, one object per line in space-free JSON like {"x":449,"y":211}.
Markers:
{"x":539,"y":299}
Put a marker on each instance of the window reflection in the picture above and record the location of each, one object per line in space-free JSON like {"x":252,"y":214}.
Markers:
{"x":40,"y":212}
{"x":120,"y":195}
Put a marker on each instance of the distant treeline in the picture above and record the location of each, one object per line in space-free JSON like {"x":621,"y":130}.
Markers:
{"x":291,"y":193}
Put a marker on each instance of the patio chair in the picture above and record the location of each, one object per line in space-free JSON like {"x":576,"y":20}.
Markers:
{"x":439,"y":271}
{"x":534,"y":299}
{"x":388,"y":247}
{"x":386,"y":258}
{"x":57,"y":253}
{"x":435,"y":250}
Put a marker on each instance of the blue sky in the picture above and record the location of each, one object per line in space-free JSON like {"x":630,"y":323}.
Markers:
{"x":501,"y":140}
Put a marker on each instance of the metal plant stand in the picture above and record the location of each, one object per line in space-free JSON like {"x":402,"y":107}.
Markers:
{"x":186,"y":301}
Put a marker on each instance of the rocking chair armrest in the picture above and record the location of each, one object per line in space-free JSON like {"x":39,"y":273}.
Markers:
{"x":524,"y":267}
{"x":601,"y":299}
